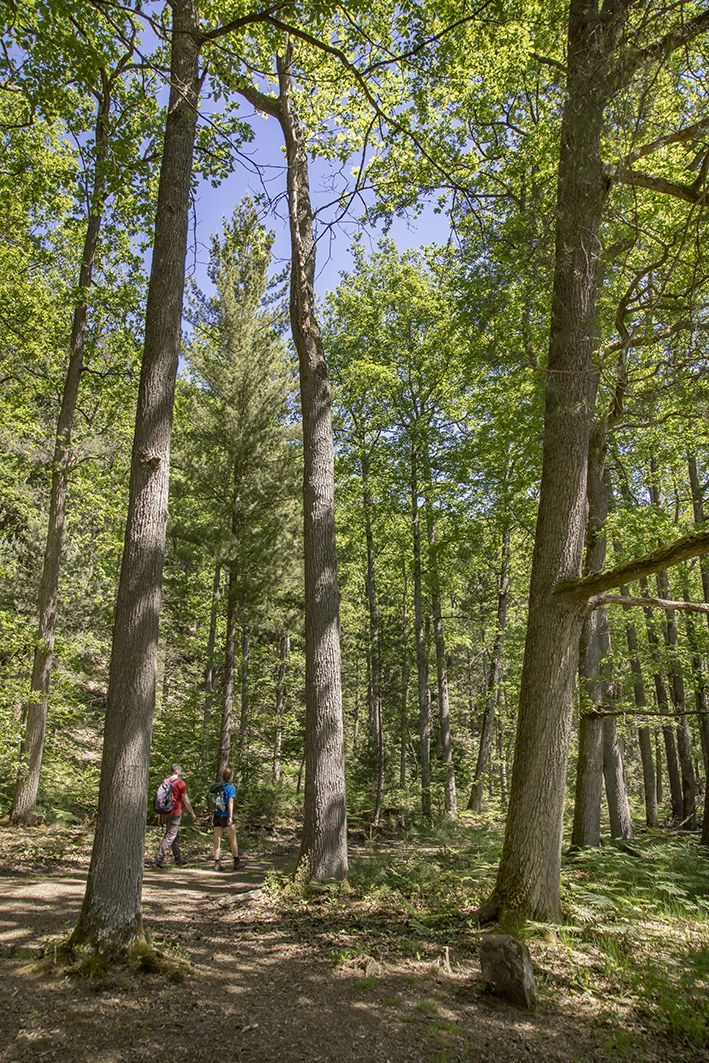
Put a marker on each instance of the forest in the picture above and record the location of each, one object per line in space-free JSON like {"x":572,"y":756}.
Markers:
{"x":354,"y":420}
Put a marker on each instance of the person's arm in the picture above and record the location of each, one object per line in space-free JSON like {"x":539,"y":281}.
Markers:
{"x":188,"y":805}
{"x":231,"y":810}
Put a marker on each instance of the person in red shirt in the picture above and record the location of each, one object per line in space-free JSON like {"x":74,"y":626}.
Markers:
{"x":171,"y":821}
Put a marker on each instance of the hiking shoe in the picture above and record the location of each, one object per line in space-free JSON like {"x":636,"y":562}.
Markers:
{"x":238,"y":862}
{"x":157,"y":865}
{"x":218,"y":865}
{"x":181,"y":863}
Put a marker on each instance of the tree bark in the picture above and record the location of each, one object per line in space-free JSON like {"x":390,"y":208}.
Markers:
{"x":35,"y":710}
{"x":111,"y":915}
{"x":529,"y":874}
{"x":494,"y":677}
{"x":283,"y":654}
{"x":323,"y":853}
{"x":449,"y":795}
{"x":420,"y":636}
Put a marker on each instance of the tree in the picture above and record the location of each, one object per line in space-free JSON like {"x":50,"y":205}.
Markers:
{"x":236,"y":456}
{"x":323,"y":853}
{"x":105,"y":80}
{"x":528,"y":877}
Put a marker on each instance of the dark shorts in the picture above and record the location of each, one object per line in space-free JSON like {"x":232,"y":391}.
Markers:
{"x":219,"y":820}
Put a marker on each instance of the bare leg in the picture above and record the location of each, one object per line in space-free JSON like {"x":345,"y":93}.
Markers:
{"x":231,"y":834}
{"x":218,"y":842}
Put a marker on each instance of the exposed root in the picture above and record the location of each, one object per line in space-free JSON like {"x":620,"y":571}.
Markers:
{"x":113,"y":969}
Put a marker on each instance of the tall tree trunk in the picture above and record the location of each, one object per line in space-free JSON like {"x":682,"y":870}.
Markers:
{"x":594,"y":648}
{"x":644,"y":741}
{"x":446,"y":739}
{"x":684,"y":744}
{"x":374,"y":641}
{"x":701,"y":700}
{"x":323,"y":853}
{"x":699,"y":519}
{"x":621,"y":823}
{"x":35,"y":710}
{"x":420,"y":636}
{"x":494,"y":676}
{"x":355,"y":721}
{"x":658,"y":770}
{"x":673,"y":769}
{"x":209,"y":667}
{"x":283,"y":654}
{"x":600,"y":752}
{"x":245,"y":707}
{"x":501,"y":756}
{"x":229,"y":675}
{"x":529,"y":874}
{"x":111,"y":913}
{"x":405,"y":679}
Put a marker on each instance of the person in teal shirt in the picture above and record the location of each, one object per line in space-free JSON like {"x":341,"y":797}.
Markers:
{"x":223,"y":820}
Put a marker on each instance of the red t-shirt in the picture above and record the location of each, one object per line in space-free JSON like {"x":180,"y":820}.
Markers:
{"x":178,"y":792}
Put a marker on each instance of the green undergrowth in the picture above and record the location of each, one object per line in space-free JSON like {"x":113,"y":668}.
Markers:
{"x":638,"y":922}
{"x":632,"y":942}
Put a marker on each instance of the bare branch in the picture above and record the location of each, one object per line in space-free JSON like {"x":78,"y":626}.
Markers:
{"x":628,"y":601}
{"x":262,"y":101}
{"x":239,"y":23}
{"x":598,"y":714}
{"x":629,"y":64}
{"x":694,"y":193}
{"x":547,"y":60}
{"x":580,"y":590}
{"x":678,"y":137}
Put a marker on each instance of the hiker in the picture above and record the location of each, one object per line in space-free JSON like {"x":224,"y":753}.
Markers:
{"x":171,"y":796}
{"x":222,"y":796}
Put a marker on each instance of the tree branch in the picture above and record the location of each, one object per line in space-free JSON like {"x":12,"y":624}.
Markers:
{"x":547,"y":60}
{"x":262,"y":101}
{"x":629,"y":65}
{"x":678,"y":137}
{"x":338,"y":53}
{"x":693,"y":193}
{"x":598,"y":714}
{"x":580,"y":590}
{"x":239,"y":23}
{"x":628,"y":601}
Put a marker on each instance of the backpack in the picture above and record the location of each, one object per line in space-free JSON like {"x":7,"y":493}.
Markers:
{"x":216,"y":800}
{"x":163,"y":798}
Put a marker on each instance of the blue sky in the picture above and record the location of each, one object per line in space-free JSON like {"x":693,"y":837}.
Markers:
{"x":335,"y":243}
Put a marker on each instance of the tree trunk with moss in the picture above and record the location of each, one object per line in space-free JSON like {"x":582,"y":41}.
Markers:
{"x":529,"y":873}
{"x":111,"y":915}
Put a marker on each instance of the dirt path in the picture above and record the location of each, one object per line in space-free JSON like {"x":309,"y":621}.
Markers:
{"x":261,"y":988}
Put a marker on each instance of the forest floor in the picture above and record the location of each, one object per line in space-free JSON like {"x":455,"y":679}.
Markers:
{"x":384,"y":969}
